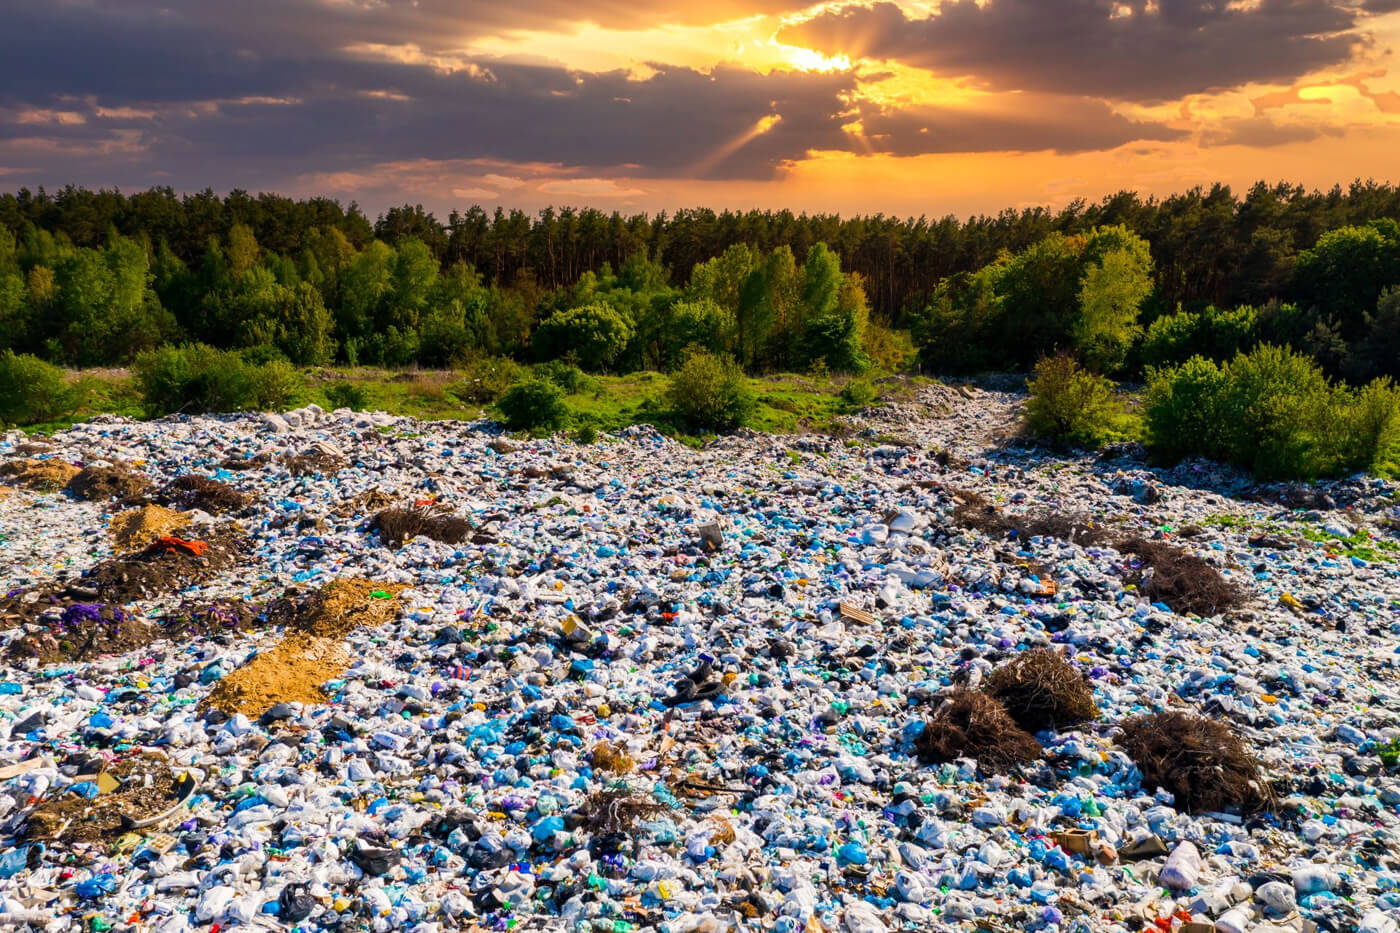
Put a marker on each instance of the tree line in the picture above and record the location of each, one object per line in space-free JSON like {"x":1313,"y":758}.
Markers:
{"x":94,"y":277}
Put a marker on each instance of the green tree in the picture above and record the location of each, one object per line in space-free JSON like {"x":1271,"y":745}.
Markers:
{"x":1117,"y":279}
{"x":595,"y":334}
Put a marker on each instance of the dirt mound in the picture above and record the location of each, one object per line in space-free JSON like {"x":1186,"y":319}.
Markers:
{"x":105,"y":483}
{"x":973,"y":725}
{"x":147,"y":786}
{"x":238,"y":464}
{"x":1178,"y":578}
{"x":201,"y":492}
{"x":134,"y":529}
{"x":40,"y":475}
{"x":81,"y":632}
{"x":972,"y":510}
{"x":290,"y":672}
{"x":1205,"y":765}
{"x":166,"y":565}
{"x":395,"y":526}
{"x":311,"y":654}
{"x":194,"y":620}
{"x":1041,"y":690}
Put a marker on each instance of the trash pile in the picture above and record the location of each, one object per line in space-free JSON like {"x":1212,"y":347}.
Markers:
{"x":346,"y":671}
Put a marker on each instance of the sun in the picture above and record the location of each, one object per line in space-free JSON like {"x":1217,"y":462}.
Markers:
{"x":811,"y":60}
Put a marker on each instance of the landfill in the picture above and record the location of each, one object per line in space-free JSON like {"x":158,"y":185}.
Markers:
{"x":348,"y":671}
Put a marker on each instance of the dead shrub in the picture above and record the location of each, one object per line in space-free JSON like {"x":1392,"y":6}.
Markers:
{"x":1041,"y":690}
{"x":317,"y":459}
{"x":105,"y":483}
{"x":972,"y":510}
{"x":201,"y":492}
{"x":396,"y":526}
{"x":251,"y":462}
{"x":39,"y":475}
{"x":973,"y":725}
{"x":618,"y":810}
{"x":1204,"y":764}
{"x":1178,"y":578}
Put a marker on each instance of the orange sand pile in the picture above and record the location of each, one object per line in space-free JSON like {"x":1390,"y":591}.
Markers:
{"x":134,"y":529}
{"x":294,"y":670}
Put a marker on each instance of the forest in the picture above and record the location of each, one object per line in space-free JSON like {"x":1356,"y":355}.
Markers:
{"x":93,"y":278}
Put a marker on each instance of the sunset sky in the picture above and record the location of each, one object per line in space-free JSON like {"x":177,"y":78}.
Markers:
{"x":932,"y":108}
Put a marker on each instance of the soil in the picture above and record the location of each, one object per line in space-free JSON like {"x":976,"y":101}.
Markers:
{"x":41,"y":475}
{"x":84,"y":632}
{"x":154,"y":572}
{"x":132,"y":530}
{"x":71,"y":818}
{"x":105,"y":483}
{"x":311,"y":654}
{"x":290,"y":672}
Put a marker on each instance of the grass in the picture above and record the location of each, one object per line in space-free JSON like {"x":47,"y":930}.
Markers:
{"x":788,"y":403}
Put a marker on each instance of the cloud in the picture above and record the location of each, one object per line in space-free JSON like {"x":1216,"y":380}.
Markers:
{"x":589,"y":188}
{"x":1006,"y":123}
{"x":1131,"y":50}
{"x":1261,"y":132}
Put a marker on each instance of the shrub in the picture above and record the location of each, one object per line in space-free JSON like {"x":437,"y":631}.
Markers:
{"x":973,"y":725}
{"x":858,"y":393}
{"x":198,"y":378}
{"x":1272,"y":411}
{"x":1041,"y":690}
{"x":565,"y":375}
{"x":534,"y":403}
{"x":1069,"y":403}
{"x":32,"y":390}
{"x":709,"y":392}
{"x":347,"y":395}
{"x":485,"y":379}
{"x":587,"y":434}
{"x":1203,"y":763}
{"x":1183,"y":410}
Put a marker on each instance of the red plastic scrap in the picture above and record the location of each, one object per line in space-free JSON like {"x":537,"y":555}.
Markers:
{"x":173,"y":544}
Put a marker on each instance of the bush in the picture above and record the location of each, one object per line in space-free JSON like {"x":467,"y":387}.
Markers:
{"x":1069,"y":403}
{"x":198,"y":378}
{"x":32,"y":390}
{"x":709,"y":392}
{"x":485,"y":379}
{"x":397,"y":526}
{"x":1183,"y":409}
{"x":587,"y":434}
{"x":532,"y":404}
{"x":858,"y":393}
{"x":565,"y":375}
{"x":347,"y":395}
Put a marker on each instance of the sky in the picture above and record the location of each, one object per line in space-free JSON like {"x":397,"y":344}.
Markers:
{"x":902,"y":108}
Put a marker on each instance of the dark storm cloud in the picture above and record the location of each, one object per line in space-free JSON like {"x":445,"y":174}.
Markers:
{"x":258,"y":92}
{"x":1024,"y":123}
{"x":1158,"y":52}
